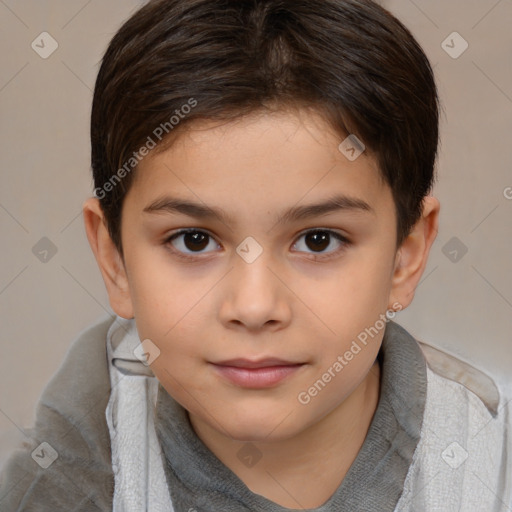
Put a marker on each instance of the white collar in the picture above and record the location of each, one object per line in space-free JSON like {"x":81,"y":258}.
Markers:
{"x":140,"y":482}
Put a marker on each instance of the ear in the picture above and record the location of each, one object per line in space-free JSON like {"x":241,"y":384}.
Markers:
{"x":411,"y":258}
{"x":108,"y":258}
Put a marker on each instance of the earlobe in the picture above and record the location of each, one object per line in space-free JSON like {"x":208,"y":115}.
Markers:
{"x":108,"y":258}
{"x":412,"y":255}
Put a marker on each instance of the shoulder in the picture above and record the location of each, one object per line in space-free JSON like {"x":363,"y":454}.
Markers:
{"x":464,"y":458}
{"x":65,"y":464}
{"x":449,"y":367}
{"x":84,"y":370}
{"x":462,"y":399}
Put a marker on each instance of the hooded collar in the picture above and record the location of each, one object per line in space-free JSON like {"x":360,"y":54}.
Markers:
{"x":199,"y":481}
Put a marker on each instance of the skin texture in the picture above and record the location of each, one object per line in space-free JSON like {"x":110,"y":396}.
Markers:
{"x":298,"y":300}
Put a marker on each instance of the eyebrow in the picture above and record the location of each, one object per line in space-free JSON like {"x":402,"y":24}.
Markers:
{"x":296,"y":213}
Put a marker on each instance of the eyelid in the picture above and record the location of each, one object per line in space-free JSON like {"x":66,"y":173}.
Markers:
{"x":342,"y":239}
{"x":187,"y":256}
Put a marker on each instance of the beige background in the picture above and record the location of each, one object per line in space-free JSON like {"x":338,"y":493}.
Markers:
{"x":464,"y":306}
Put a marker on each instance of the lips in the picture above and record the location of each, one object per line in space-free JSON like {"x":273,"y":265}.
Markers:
{"x":256,"y":374}
{"x":261,"y":363}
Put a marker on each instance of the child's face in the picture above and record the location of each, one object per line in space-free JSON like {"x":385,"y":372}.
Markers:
{"x":303,"y":300}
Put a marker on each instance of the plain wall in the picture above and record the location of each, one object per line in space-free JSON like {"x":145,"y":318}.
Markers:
{"x":463,"y":306}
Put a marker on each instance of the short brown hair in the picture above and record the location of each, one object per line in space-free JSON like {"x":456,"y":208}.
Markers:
{"x":351,"y":60}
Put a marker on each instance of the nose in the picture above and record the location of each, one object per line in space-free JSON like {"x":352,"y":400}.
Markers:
{"x":255,"y":296}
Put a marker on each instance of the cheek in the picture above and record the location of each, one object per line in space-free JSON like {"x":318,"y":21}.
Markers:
{"x":163,"y":295}
{"x":353,"y":297}
{"x":177,"y":367}
{"x":350,"y":305}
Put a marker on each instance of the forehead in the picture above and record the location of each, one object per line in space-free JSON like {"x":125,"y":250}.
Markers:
{"x":263,"y":161}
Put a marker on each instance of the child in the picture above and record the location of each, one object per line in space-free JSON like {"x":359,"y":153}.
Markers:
{"x":262,"y":173}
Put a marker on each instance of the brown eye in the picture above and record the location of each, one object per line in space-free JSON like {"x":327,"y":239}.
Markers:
{"x":191,"y":241}
{"x":195,"y":241}
{"x":318,"y":240}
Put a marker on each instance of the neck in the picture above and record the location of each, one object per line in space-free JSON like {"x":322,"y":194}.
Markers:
{"x":325,"y":450}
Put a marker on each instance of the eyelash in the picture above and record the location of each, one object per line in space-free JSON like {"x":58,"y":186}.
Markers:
{"x":317,"y":256}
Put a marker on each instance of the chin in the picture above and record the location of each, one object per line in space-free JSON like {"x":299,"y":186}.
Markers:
{"x":258,"y":427}
{"x":258,"y":435}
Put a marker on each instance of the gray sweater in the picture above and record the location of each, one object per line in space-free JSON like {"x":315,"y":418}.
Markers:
{"x":71,"y":419}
